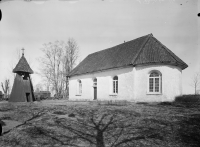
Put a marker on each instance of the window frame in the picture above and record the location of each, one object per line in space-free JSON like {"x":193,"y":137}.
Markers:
{"x":79,"y":88}
{"x":95,"y":82}
{"x":115,"y":85}
{"x":159,"y":77}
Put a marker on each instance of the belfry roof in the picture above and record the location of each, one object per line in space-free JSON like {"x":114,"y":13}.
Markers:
{"x":23,"y":66}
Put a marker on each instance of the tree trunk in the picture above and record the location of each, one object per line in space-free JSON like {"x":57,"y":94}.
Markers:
{"x":195,"y":89}
{"x":100,"y":139}
{"x":67,"y":87}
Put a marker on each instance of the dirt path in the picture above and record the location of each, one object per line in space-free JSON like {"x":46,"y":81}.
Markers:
{"x":9,"y":124}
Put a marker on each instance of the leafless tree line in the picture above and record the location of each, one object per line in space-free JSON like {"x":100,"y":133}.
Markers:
{"x":59,"y":59}
{"x":195,"y":82}
{"x":6,"y":88}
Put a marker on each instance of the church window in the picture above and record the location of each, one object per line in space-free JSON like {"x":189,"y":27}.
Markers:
{"x":115,"y":85}
{"x":79,"y":87}
{"x":155,"y":81}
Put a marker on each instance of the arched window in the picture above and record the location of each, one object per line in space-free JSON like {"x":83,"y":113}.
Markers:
{"x":115,"y":84}
{"x":95,"y":82}
{"x":79,"y":87}
{"x":155,"y":81}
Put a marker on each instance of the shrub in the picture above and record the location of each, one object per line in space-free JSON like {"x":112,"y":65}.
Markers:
{"x":188,"y":99}
{"x":143,"y":103}
{"x":165,"y":103}
{"x":58,"y":97}
{"x":59,"y":113}
{"x":71,"y":115}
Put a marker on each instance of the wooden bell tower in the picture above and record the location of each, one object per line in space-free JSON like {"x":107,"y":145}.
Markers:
{"x":22,"y":90}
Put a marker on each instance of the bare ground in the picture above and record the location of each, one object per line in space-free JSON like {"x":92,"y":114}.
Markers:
{"x":63,"y":123}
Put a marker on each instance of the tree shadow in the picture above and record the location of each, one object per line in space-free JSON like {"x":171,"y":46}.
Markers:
{"x":2,"y":123}
{"x":189,"y":130}
{"x":104,"y":126}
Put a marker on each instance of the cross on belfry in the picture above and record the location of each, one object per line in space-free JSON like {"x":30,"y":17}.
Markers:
{"x":23,"y":51}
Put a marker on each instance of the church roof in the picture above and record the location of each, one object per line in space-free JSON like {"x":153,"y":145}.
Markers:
{"x":141,"y":51}
{"x":22,"y":66}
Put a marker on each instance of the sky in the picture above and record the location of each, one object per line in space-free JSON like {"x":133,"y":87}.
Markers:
{"x":97,"y":25}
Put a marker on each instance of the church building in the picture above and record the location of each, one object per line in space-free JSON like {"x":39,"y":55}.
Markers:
{"x":140,"y":70}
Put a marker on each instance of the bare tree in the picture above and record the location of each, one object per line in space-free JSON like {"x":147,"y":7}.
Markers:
{"x":59,"y":59}
{"x":71,"y":55}
{"x":38,"y":87}
{"x":6,"y":87}
{"x":195,"y":82}
{"x":69,"y":60}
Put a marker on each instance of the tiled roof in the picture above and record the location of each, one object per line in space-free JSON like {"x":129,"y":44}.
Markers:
{"x":22,"y":66}
{"x":144,"y":50}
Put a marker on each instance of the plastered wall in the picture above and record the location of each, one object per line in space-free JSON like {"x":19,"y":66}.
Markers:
{"x":171,"y":83}
{"x":104,"y":85}
{"x":133,"y":84}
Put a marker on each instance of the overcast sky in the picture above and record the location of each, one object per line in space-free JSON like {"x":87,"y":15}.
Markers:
{"x":97,"y":25}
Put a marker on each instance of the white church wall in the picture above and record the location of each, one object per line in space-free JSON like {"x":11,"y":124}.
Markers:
{"x":171,"y":83}
{"x":104,"y":85}
{"x":133,"y":84}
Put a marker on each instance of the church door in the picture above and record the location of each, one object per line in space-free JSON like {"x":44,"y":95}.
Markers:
{"x":95,"y":88}
{"x":95,"y":93}
{"x":28,"y":97}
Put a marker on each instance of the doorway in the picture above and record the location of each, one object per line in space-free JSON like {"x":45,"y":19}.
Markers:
{"x":95,"y":93}
{"x":28,"y":97}
{"x":95,"y":88}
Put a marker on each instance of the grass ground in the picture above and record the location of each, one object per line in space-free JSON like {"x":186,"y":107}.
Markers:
{"x":63,"y":123}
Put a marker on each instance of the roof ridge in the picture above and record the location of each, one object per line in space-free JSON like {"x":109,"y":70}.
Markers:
{"x":168,"y":51}
{"x":140,"y":50}
{"x":143,"y":50}
{"x":120,"y":44}
{"x":165,"y":48}
{"x":106,"y":49}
